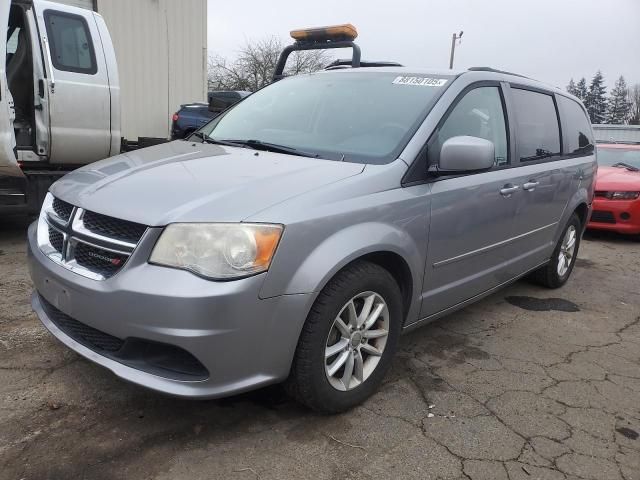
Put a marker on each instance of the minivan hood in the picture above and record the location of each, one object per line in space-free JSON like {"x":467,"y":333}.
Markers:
{"x":193,"y":182}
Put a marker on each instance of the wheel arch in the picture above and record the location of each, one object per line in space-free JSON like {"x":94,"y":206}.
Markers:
{"x":582,"y":210}
{"x":578,"y":204}
{"x":383,"y":244}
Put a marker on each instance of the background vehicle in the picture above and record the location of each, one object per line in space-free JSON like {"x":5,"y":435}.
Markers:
{"x":65,"y":103}
{"x":192,"y":116}
{"x":616,"y":206}
{"x":228,"y":97}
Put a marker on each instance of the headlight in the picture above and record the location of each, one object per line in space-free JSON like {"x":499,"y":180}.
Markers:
{"x":218,"y":251}
{"x":622,"y":195}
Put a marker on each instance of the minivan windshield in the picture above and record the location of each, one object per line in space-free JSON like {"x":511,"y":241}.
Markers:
{"x":363,"y":117}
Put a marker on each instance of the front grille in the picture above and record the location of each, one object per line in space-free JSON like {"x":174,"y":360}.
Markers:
{"x":156,"y":358}
{"x":98,"y":260}
{"x":81,"y":333}
{"x":56,"y":239}
{"x":600,"y":216}
{"x":62,"y":209}
{"x":88,"y":243}
{"x":601,"y":194}
{"x":122,"y":230}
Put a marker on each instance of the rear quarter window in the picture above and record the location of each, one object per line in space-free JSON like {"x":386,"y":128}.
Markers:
{"x":576,"y":127}
{"x":538,"y":131}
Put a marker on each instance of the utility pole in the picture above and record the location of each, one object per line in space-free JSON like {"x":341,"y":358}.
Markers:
{"x":453,"y":47}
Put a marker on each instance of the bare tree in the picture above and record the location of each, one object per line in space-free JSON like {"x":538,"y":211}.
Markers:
{"x":634,"y":100}
{"x":255,"y":64}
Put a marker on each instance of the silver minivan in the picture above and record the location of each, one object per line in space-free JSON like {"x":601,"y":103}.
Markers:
{"x":296,"y":236}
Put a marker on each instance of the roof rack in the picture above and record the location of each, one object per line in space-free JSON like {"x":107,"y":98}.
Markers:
{"x":345,"y":63}
{"x":323,"y":38}
{"x":495,"y":70}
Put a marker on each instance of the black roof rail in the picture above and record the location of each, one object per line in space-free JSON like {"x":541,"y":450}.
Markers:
{"x":344,"y":63}
{"x":495,"y":70}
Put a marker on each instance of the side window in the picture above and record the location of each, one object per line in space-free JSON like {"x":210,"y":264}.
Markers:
{"x":538,"y":132}
{"x":479,"y":113}
{"x":70,"y":40}
{"x":576,"y":127}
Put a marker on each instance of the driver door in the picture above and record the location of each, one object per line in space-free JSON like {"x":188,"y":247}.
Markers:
{"x":472,"y":215}
{"x":9,"y":169}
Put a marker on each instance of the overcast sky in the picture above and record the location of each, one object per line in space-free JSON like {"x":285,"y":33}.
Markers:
{"x":551,"y":40}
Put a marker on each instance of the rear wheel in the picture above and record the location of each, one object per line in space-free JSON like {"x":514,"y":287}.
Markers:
{"x":556,"y":273}
{"x":348,"y":340}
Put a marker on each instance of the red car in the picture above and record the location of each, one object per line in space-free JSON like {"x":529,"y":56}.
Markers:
{"x":616,"y":206}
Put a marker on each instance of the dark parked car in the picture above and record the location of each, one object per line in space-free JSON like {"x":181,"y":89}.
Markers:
{"x":192,"y":116}
{"x":231,"y":97}
{"x":189,"y":118}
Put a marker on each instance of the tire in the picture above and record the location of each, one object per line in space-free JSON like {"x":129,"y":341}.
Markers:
{"x":309,"y":381}
{"x":550,"y":275}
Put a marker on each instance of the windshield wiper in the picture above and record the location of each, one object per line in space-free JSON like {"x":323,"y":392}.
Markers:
{"x":270,"y":147}
{"x":207,"y":139}
{"x":627,"y":166}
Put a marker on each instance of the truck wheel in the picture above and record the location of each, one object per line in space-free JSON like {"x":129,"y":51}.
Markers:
{"x":348,"y":340}
{"x":556,"y":273}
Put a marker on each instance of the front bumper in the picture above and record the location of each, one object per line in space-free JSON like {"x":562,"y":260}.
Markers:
{"x":244,"y":342}
{"x":622,"y":216}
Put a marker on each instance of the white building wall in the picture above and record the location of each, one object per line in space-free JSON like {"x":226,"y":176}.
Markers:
{"x":161,"y":47}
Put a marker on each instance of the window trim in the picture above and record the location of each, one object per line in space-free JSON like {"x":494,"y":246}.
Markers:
{"x":418,"y":174}
{"x":556,"y":156}
{"x":52,"y":44}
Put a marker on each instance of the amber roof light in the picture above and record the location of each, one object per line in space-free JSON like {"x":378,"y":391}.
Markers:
{"x":324,"y":34}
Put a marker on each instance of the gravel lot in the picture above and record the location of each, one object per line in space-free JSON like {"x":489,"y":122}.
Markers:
{"x":528,"y":384}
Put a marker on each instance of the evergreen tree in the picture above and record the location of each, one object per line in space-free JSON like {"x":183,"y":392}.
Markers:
{"x":634,"y":101}
{"x":618,"y":107}
{"x":571,"y":88}
{"x":581,"y":89}
{"x":596,"y":101}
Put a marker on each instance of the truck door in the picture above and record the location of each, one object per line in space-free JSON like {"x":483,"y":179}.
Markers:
{"x":78,"y":83}
{"x":9,"y":169}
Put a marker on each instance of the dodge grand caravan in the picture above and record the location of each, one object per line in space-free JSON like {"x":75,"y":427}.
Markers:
{"x":298,"y":234}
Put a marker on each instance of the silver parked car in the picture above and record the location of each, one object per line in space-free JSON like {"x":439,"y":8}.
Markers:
{"x":298,"y":234}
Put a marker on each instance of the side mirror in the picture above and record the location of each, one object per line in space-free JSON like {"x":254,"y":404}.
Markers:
{"x":218,"y":105}
{"x":465,"y":154}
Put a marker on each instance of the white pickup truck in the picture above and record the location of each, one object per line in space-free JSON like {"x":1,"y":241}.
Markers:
{"x":59,"y":97}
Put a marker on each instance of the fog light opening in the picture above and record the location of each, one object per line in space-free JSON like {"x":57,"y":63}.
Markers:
{"x":625,"y":216}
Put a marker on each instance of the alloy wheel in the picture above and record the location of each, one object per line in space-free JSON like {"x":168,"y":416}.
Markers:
{"x":356,"y":341}
{"x":567,"y":250}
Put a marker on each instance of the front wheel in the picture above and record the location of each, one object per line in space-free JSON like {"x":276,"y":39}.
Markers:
{"x":348,"y":340}
{"x":556,"y":273}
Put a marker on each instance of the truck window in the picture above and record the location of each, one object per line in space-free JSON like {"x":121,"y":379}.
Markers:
{"x":71,"y":46}
{"x":538,"y":132}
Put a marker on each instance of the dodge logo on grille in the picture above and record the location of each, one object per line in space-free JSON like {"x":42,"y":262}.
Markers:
{"x":114,"y":261}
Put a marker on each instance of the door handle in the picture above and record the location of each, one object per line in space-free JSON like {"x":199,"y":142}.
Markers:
{"x":530,"y":185}
{"x":508,"y":190}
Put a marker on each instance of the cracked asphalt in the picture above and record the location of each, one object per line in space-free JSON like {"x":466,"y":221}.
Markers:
{"x":527,"y":384}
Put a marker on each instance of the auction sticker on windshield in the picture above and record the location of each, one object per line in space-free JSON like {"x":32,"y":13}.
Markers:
{"x":420,"y":81}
